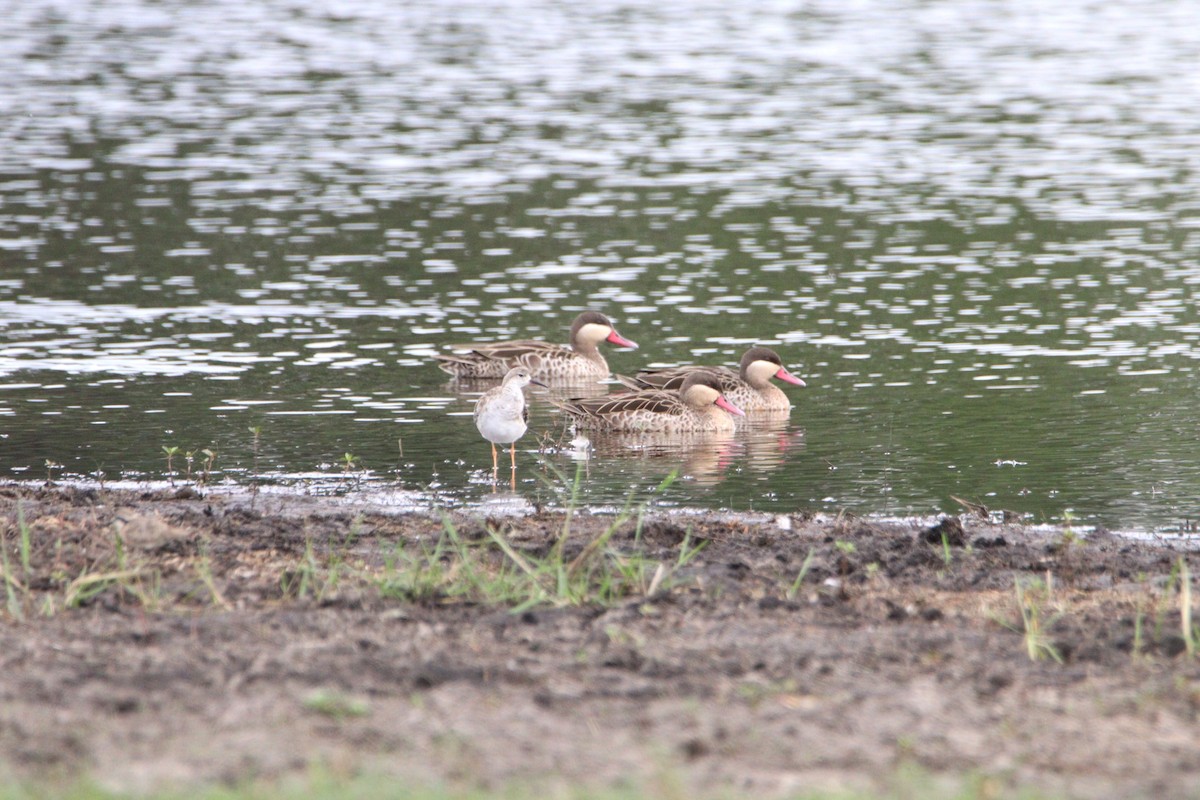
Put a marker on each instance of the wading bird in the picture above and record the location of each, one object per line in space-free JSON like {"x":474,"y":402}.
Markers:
{"x":502,"y":415}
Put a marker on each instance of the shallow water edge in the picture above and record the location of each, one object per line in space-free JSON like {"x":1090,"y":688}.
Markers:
{"x":341,"y":498}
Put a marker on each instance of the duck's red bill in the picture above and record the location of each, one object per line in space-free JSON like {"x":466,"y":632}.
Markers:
{"x":621,"y":341}
{"x":730,"y":407}
{"x":788,"y":377}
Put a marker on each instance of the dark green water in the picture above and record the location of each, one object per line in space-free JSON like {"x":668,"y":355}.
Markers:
{"x":972,"y":228}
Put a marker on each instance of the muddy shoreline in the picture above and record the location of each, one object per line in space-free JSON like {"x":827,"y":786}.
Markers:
{"x":177,"y":638}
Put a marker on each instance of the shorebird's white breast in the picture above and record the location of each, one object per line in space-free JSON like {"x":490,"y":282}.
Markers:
{"x":500,"y":415}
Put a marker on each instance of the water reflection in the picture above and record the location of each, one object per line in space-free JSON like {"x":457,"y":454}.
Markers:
{"x":758,"y":449}
{"x":701,"y":457}
{"x":768,"y":440}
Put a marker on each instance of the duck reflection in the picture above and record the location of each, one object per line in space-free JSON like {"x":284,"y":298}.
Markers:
{"x":761,"y":445}
{"x":702,"y":457}
{"x":767,"y":440}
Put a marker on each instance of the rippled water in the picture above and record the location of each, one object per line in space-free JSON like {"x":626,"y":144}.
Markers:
{"x":972,"y":227}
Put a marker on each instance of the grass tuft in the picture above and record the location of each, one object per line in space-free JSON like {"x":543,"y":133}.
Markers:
{"x":567,"y":569}
{"x":1033,"y":596}
{"x":794,"y":589}
{"x":1187,"y":629}
{"x":494,"y":571}
{"x":335,"y":705}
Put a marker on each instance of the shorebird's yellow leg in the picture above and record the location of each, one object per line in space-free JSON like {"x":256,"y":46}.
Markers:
{"x":495,"y":461}
{"x":512,"y":454}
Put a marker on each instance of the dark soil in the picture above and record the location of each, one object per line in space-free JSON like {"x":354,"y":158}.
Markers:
{"x":161,"y":640}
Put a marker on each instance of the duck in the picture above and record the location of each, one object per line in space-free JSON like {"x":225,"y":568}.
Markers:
{"x":749,"y":388}
{"x":502,"y":415}
{"x":580,"y":360}
{"x":697,"y":406}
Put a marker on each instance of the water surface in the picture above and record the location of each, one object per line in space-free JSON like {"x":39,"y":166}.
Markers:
{"x":971,"y":227}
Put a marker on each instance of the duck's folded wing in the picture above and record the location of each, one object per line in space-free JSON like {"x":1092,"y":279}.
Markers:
{"x":651,"y":400}
{"x":510,"y":350}
{"x":666,"y":378}
{"x":671,"y":378}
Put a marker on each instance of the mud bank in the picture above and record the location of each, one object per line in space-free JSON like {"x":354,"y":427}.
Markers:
{"x":167,"y":639}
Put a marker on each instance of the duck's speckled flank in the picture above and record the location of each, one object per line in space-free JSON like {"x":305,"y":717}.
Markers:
{"x":749,"y":388}
{"x":696,"y":407}
{"x":581,"y":360}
